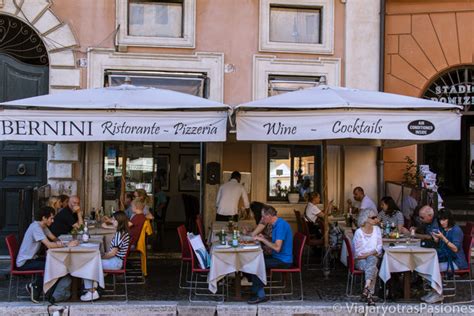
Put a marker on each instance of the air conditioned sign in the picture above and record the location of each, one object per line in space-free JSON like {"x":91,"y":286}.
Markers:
{"x":112,"y":126}
{"x":341,"y":124}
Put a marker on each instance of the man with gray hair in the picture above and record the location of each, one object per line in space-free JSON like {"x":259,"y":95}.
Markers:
{"x":68,"y":218}
{"x":429,"y":223}
{"x":282,"y":249}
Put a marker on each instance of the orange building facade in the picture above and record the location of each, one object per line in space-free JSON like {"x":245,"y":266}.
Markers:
{"x":429,"y":53}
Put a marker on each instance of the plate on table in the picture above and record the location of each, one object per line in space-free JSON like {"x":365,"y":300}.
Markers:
{"x":254,"y":246}
{"x":89,"y":245}
{"x":222,"y":246}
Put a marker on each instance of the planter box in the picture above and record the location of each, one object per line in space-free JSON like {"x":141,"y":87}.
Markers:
{"x":293,"y":198}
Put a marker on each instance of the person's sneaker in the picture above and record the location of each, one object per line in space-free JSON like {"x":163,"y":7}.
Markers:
{"x":33,"y":292}
{"x":435,"y":298}
{"x":256,"y":300}
{"x":90,"y":296}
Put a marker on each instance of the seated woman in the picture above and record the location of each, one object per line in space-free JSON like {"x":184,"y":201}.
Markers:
{"x":451,"y":255}
{"x":113,"y":259}
{"x":262,"y":228}
{"x":367,"y":245}
{"x":312,"y":212}
{"x":391,"y":214}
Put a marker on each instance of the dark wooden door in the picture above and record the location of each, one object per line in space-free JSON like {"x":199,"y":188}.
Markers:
{"x":22,"y":164}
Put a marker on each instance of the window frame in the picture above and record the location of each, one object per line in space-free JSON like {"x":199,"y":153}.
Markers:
{"x":317,"y":169}
{"x":326,"y":24}
{"x":189,"y":29}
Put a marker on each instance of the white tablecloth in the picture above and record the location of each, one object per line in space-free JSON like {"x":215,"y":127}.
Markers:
{"x":83,"y":262}
{"x":412,"y":258}
{"x":244,"y":259}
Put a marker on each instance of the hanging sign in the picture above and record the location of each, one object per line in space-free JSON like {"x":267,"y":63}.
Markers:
{"x":143,"y":126}
{"x":342,"y":124}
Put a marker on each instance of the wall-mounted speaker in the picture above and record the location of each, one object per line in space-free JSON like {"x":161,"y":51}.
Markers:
{"x":213,"y":173}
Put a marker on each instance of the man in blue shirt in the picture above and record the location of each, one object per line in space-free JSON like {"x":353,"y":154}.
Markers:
{"x":282,"y":249}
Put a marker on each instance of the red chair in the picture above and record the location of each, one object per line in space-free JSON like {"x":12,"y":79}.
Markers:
{"x":351,"y":270}
{"x":468,"y":229}
{"x":114,"y":273}
{"x":466,"y":245}
{"x":311,"y":241}
{"x":185,"y":256}
{"x":200,"y":227}
{"x":12,"y":245}
{"x":196,"y":272}
{"x":299,"y":241}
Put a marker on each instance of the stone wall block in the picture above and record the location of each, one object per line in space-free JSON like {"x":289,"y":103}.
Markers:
{"x":63,"y":152}
{"x":60,"y":38}
{"x":32,"y":9}
{"x":47,"y":22}
{"x":124,"y":309}
{"x":63,"y":58}
{"x":64,"y":77}
{"x":62,"y":170}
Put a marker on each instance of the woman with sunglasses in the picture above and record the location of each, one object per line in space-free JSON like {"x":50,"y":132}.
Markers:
{"x":367,"y":245}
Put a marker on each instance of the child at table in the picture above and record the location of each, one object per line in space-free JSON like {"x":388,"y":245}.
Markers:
{"x":113,"y":259}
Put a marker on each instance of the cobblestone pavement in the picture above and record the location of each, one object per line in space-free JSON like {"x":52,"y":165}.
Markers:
{"x":161,"y":285}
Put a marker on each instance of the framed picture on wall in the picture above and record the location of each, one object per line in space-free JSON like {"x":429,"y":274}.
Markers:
{"x":162,"y":171}
{"x":189,"y":173}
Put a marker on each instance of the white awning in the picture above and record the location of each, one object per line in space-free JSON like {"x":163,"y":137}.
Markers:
{"x":124,"y":113}
{"x":342,"y":113}
{"x":142,"y":126}
{"x":348,"y":124}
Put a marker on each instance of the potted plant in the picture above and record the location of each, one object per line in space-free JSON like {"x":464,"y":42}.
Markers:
{"x":293,"y":195}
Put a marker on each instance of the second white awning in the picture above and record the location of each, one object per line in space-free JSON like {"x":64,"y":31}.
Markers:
{"x":278,"y":125}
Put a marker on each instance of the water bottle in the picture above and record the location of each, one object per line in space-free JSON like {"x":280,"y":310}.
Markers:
{"x":85,"y":234}
{"x":235,"y":240}
{"x":387,"y":229}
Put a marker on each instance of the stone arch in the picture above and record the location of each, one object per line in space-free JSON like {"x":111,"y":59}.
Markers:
{"x":420,"y":46}
{"x":56,"y":35}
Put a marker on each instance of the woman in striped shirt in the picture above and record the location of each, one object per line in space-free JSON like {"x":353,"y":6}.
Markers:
{"x":113,"y":259}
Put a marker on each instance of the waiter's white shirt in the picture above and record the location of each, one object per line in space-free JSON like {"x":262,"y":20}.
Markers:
{"x":367,"y":203}
{"x":228,"y":198}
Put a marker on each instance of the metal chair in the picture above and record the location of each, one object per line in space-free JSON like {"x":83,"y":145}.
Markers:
{"x":185,"y":257}
{"x":351,"y":270}
{"x":12,"y":245}
{"x":114,"y":273}
{"x":197,"y":272}
{"x":311,"y":241}
{"x":199,"y":225}
{"x":298,"y":246}
{"x":450,"y":278}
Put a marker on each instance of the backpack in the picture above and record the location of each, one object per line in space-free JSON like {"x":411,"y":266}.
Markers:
{"x":60,"y":291}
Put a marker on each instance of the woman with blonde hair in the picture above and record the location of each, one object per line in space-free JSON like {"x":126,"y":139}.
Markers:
{"x":141,"y":195}
{"x":55,"y":203}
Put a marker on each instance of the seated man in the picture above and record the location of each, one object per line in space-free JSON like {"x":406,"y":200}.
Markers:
{"x":136,"y":222}
{"x":282,"y":249}
{"x":37,"y":234}
{"x":429,"y":224}
{"x":68,"y":218}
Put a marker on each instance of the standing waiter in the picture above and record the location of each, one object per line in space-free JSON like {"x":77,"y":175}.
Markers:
{"x":228,"y":198}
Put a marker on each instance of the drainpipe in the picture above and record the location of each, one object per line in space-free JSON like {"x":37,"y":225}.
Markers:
{"x":380,"y":162}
